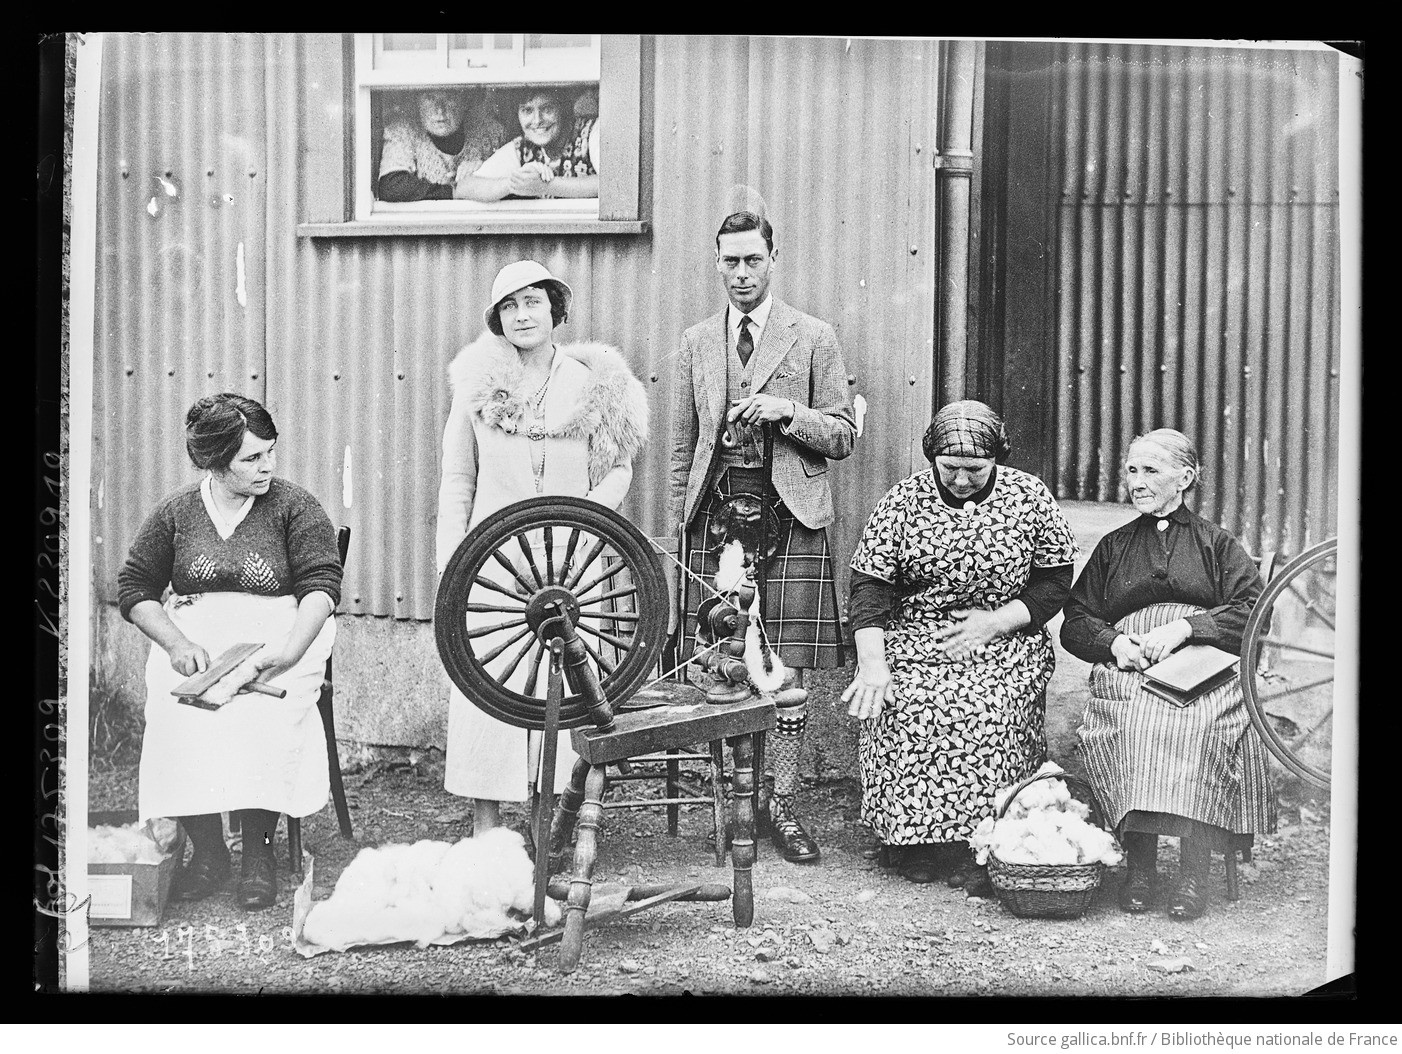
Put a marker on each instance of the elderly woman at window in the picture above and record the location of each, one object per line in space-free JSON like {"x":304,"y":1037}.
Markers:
{"x":429,"y":159}
{"x":555,"y":156}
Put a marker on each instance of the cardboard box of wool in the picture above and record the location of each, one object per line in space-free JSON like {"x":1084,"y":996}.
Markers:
{"x":130,"y":867}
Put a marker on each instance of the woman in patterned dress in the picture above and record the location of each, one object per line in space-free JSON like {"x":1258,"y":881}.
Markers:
{"x":555,"y":156}
{"x":430,"y":159}
{"x":1165,"y":579}
{"x":956,"y":574}
{"x":249,"y":557}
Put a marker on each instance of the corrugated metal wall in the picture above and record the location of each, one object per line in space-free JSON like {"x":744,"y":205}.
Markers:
{"x":350,"y":338}
{"x":1195,"y":266}
{"x":180,"y":251}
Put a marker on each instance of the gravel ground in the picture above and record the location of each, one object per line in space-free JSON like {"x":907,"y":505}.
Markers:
{"x":843,"y":926}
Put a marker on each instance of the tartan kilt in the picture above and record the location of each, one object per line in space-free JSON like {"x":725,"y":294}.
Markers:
{"x":801,"y":616}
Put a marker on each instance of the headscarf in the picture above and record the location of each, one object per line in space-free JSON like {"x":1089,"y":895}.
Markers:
{"x":967,"y":428}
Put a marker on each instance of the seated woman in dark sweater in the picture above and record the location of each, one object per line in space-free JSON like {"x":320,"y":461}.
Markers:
{"x":426,"y":159}
{"x":248,"y":557}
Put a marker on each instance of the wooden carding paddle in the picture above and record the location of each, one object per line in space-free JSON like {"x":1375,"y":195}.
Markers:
{"x":191,"y":689}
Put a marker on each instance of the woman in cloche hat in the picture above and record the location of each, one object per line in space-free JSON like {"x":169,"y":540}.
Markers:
{"x":528,"y":417}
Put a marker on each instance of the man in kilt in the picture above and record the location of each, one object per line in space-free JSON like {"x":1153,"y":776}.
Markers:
{"x":761,"y":406}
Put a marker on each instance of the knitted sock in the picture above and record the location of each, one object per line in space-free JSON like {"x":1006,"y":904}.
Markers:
{"x":782,"y":747}
{"x":259,"y":826}
{"x":206,"y":832}
{"x":1141,"y":850}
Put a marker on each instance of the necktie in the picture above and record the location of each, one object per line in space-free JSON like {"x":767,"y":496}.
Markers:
{"x":745,"y":344}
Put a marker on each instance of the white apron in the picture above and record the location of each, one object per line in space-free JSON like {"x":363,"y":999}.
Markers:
{"x":257,"y":752}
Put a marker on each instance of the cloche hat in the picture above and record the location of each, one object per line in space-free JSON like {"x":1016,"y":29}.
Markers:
{"x":516,"y":276}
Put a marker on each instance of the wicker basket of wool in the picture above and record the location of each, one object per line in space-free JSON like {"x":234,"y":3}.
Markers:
{"x":1069,"y":853}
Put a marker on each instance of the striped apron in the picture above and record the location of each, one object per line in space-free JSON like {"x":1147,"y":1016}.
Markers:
{"x":1143,"y":753}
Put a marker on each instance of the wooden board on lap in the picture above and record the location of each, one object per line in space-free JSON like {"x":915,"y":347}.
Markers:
{"x":192,"y":689}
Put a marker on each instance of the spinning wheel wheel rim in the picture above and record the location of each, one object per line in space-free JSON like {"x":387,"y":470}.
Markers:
{"x":516,"y":598}
{"x":1254,"y":640}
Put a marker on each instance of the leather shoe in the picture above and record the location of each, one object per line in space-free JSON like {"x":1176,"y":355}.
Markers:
{"x":978,"y":884}
{"x":1189,"y":899}
{"x":793,"y":842}
{"x":883,"y":855}
{"x":1137,"y":891}
{"x":919,"y":863}
{"x":202,"y":876}
{"x":257,"y":883}
{"x":963,"y":872}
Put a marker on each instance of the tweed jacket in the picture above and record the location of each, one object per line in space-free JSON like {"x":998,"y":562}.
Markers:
{"x":798,"y":358}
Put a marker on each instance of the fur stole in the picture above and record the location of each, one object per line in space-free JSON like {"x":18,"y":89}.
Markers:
{"x":610,"y":411}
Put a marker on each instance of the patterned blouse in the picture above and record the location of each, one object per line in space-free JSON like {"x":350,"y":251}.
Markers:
{"x":940,"y":558}
{"x":575,"y":158}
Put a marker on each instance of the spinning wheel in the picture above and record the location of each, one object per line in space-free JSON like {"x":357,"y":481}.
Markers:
{"x":517,"y":575}
{"x":1287,"y":662}
{"x":569,"y":579}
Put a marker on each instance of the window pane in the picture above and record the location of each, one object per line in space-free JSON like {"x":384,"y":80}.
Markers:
{"x":558,"y":40}
{"x":458,"y":41}
{"x":502,"y":41}
{"x":410,"y":41}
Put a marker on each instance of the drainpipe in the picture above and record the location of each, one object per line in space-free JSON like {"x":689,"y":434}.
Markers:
{"x":954,"y":168}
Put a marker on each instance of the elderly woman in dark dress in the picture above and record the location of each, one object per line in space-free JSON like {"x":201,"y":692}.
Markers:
{"x":1163,"y":580}
{"x":956,"y":574}
{"x":249,"y":557}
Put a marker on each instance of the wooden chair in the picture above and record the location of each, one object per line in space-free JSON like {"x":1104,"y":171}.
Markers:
{"x":333,"y":758}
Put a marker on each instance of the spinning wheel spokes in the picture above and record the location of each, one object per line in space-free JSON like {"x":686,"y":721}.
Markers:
{"x":577,"y":573}
{"x":1288,"y":662}
{"x":615,"y":594}
{"x":546,"y":568}
{"x":530,"y":560}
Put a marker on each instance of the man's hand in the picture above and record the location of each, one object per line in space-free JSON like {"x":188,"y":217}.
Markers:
{"x":757,"y":408}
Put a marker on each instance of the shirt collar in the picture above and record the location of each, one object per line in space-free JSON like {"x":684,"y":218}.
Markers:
{"x":1181,"y":515}
{"x":758,"y":317}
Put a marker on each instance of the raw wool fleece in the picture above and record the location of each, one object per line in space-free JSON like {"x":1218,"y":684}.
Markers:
{"x":611,"y":413}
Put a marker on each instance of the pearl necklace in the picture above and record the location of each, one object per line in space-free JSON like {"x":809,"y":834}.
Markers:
{"x":535,"y":432}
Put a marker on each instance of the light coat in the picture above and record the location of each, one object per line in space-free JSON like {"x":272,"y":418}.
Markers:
{"x":798,"y":358}
{"x":596,"y":417}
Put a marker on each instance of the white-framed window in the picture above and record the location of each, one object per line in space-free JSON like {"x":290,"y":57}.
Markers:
{"x":491,"y":81}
